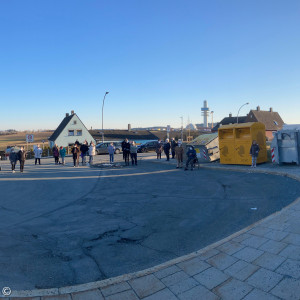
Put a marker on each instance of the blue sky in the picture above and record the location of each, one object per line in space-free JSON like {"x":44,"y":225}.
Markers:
{"x":159,"y":59}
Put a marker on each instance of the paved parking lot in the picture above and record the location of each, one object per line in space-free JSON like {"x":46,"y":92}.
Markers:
{"x":57,"y":222}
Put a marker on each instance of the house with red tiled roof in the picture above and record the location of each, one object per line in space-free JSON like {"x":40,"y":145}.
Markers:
{"x":270,"y":118}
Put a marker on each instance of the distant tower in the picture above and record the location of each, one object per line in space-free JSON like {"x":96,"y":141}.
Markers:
{"x":205,"y":111}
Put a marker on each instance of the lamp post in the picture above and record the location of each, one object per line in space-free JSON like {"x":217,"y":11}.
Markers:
{"x":102,"y":115}
{"x":237,"y":118}
{"x":212,"y":119}
{"x":181,"y":129}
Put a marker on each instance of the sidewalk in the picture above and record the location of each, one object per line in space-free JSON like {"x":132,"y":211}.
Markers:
{"x":260,"y":262}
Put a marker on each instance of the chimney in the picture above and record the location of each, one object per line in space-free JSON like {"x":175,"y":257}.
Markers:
{"x":72,"y":112}
{"x":258,"y":108}
{"x":230,"y":115}
{"x":129,"y":127}
{"x":271,"y":109}
{"x":67,"y":114}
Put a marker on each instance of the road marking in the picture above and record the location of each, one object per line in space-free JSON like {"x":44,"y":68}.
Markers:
{"x":6,"y":291}
{"x":84,"y":177}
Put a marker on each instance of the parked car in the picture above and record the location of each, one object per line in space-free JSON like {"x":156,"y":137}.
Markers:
{"x":102,"y":148}
{"x":148,"y":146}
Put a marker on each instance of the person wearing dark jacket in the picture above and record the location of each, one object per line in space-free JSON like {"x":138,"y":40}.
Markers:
{"x":75,"y":152}
{"x":167,"y":148}
{"x":22,"y":158}
{"x":126,"y":152}
{"x":173,"y":146}
{"x":254,"y":150}
{"x":159,"y":149}
{"x":84,"y":148}
{"x":191,"y":156}
{"x":55,"y":152}
{"x":123,"y":144}
{"x":13,"y":157}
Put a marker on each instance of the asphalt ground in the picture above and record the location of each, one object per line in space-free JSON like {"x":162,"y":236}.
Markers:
{"x":64,"y":226}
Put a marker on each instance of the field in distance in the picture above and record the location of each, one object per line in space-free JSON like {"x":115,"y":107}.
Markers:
{"x":19,"y":139}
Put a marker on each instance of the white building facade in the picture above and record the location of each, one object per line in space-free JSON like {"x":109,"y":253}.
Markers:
{"x":70,"y":130}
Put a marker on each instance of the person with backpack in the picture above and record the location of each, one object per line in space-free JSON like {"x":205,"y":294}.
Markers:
{"x":254,"y":150}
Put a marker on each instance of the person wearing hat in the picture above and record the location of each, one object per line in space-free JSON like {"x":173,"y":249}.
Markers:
{"x":179,"y":154}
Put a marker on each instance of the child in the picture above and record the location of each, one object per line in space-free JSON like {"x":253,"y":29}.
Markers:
{"x":254,"y":150}
{"x":111,"y":151}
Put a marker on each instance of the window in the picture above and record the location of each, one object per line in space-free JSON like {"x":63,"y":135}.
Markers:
{"x":74,"y":122}
{"x":71,"y":132}
{"x":79,"y":132}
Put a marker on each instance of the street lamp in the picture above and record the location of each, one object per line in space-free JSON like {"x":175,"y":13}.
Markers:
{"x":237,"y":118}
{"x":102,"y":116}
{"x":181,"y":128}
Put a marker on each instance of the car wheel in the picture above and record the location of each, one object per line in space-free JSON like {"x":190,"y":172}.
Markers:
{"x":117,"y":151}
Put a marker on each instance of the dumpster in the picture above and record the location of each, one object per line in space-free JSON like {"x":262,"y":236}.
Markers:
{"x":226,"y":144}
{"x":285,"y":146}
{"x":235,"y":141}
{"x":207,"y":147}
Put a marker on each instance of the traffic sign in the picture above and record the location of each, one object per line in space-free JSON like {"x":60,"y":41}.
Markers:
{"x":29,"y":138}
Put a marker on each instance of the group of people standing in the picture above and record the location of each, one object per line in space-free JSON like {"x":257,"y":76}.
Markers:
{"x":177,"y":152}
{"x":129,"y":150}
{"x":20,"y":155}
{"x":16,"y":156}
{"x":83,"y":150}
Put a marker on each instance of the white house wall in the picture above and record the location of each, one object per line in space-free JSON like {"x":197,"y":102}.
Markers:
{"x":64,"y":139}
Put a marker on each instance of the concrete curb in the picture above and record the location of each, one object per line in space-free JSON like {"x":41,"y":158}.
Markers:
{"x":129,"y":276}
